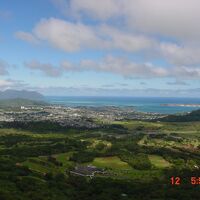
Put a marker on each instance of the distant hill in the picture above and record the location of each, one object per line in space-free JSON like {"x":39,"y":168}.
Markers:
{"x":193,"y":116}
{"x":21,"y":94}
{"x":20,"y":102}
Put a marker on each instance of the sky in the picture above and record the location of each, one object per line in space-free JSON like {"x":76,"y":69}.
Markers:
{"x":101,"y":48}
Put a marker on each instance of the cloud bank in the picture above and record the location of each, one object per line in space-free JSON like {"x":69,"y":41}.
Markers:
{"x":130,"y":38}
{"x":115,"y":65}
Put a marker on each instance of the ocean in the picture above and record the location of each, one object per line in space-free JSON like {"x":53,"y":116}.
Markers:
{"x":143,"y":104}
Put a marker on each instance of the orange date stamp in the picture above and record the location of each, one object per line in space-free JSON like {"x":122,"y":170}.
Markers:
{"x":177,"y":180}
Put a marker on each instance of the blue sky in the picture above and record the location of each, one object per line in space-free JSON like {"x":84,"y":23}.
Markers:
{"x":107,"y":47}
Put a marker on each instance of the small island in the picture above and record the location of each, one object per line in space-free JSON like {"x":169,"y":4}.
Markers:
{"x":181,"y":105}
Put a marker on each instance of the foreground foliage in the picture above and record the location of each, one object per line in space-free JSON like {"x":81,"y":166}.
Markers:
{"x":139,"y":164}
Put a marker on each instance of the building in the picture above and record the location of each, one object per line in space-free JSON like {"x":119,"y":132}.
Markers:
{"x":87,"y":171}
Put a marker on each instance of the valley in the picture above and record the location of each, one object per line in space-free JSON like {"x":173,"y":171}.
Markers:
{"x":126,"y":155}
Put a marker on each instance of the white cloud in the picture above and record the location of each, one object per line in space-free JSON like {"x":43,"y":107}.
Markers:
{"x":180,"y":55}
{"x":116,"y":65}
{"x":103,"y":9}
{"x":174,"y":18}
{"x":186,"y":72}
{"x":110,"y":64}
{"x":5,"y":83}
{"x":65,"y":35}
{"x":11,"y":84}
{"x":46,"y":68}
{"x":28,"y":37}
{"x":72,"y":37}
{"x":124,"y":67}
{"x":125,"y":40}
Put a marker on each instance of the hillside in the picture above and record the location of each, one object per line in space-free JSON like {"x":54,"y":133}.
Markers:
{"x":193,"y":116}
{"x":20,"y":102}
{"x":20,"y":94}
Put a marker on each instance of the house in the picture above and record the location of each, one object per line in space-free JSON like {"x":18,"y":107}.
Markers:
{"x":87,"y":171}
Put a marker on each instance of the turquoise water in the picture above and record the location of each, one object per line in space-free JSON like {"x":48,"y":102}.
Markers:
{"x":144,"y":104}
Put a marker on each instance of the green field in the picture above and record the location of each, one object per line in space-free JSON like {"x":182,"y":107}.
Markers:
{"x":40,"y":166}
{"x":159,"y":161}
{"x":190,"y":128}
{"x":40,"y":162}
{"x":111,"y":162}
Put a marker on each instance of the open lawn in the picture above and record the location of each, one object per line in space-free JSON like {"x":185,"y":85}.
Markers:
{"x":159,"y":161}
{"x":121,"y":170}
{"x":111,"y":162}
{"x":64,"y":159}
{"x":96,"y":142}
{"x":40,"y":166}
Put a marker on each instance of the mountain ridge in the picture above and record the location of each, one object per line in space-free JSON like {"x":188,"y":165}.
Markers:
{"x":14,"y":103}
{"x":21,"y":94}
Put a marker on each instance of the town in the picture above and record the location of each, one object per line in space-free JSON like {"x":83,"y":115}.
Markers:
{"x":75,"y":116}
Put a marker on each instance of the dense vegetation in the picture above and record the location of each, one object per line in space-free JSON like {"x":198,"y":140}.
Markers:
{"x":138,"y":164}
{"x":190,"y":117}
